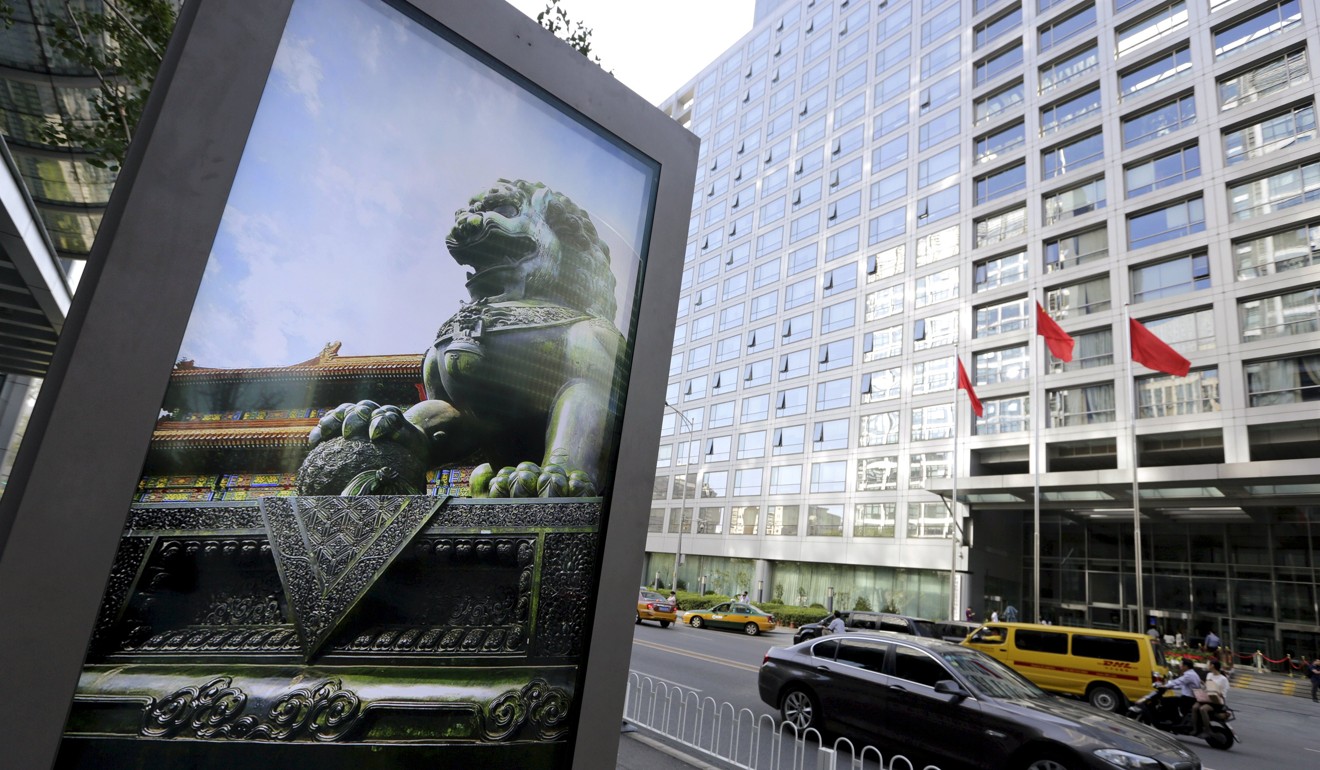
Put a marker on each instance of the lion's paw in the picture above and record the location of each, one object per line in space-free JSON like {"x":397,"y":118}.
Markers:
{"x":528,"y":479}
{"x":368,"y":420}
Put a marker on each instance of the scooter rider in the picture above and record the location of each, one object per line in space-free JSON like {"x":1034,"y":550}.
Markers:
{"x":1187,"y":683}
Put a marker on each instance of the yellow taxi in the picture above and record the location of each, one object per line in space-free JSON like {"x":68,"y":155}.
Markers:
{"x":739,"y":616}
{"x":654,"y":606}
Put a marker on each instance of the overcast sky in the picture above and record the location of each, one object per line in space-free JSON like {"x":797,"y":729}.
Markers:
{"x":655,"y":46}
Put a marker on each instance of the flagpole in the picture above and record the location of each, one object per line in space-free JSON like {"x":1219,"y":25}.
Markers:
{"x":1136,"y":490}
{"x":953,"y":510}
{"x":1034,"y":459}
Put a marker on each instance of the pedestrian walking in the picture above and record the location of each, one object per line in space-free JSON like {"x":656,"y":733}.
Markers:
{"x":971,"y":616}
{"x":1010,"y":614}
{"x":1314,"y":672}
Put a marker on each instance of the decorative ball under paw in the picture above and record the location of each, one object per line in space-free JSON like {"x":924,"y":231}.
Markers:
{"x":332,"y":465}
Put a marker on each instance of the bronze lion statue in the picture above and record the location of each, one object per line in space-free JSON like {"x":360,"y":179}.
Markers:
{"x":528,"y":376}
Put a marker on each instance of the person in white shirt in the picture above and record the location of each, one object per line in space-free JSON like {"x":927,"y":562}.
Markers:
{"x":1216,"y":687}
{"x":994,"y":616}
{"x":836,"y":623}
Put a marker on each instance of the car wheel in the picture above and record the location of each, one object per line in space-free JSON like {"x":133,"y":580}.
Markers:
{"x":1049,"y":762}
{"x":752,"y":629}
{"x":639,"y":618}
{"x":799,"y":708}
{"x":664,"y":624}
{"x":696,"y":621}
{"x":1105,"y":698}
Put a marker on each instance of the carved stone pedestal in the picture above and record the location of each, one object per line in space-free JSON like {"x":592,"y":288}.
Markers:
{"x":366,"y":630}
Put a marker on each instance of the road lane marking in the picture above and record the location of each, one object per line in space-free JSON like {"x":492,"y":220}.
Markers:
{"x":698,"y":656}
{"x":666,"y":681}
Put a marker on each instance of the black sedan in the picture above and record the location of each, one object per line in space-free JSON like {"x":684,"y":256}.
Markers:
{"x":938,"y":702}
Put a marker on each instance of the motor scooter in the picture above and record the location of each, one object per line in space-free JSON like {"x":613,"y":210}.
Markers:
{"x":1161,"y":710}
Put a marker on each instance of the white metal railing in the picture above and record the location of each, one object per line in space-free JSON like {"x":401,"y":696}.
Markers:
{"x":741,"y":737}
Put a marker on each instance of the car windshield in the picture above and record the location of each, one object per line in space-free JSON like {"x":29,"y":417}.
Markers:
{"x":925,"y":627}
{"x":988,"y":676}
{"x":652,"y":596}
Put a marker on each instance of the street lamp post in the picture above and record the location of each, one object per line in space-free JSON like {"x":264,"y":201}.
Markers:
{"x":830,"y":600}
{"x":682,"y":505}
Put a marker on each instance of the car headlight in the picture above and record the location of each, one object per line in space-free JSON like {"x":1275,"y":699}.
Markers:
{"x":1119,"y":758}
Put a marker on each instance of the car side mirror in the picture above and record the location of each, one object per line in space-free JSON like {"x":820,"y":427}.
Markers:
{"x":951,"y":687}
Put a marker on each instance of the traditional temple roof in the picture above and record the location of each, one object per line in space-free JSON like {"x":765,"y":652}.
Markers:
{"x":232,"y":435}
{"x":328,"y":364}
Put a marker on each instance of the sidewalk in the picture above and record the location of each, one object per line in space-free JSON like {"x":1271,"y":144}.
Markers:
{"x":639,"y":751}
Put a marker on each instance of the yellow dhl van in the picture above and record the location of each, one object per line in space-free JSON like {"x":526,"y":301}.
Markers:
{"x":1106,"y":667}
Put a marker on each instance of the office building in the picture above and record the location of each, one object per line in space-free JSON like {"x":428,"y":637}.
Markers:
{"x":885,"y":187}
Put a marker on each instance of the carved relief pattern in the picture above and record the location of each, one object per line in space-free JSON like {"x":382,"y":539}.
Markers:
{"x":128,"y":559}
{"x":474,"y":318}
{"x":324,"y":712}
{"x":233,"y":515}
{"x":568,"y":583}
{"x":331,"y":549}
{"x":531,"y":514}
{"x":544,"y":709}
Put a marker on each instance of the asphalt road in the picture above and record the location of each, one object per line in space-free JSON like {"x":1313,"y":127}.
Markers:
{"x":1277,"y":732}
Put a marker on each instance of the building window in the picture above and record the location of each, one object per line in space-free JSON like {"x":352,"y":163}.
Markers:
{"x":1070,"y":68}
{"x":791,"y":402}
{"x":1074,"y":201}
{"x":761,"y":338}
{"x":1001,"y":141}
{"x":885,"y":226}
{"x":1283,"y":189}
{"x":1274,"y":74}
{"x":1076,"y":249}
{"x":877,"y":429}
{"x":710,"y":518}
{"x":929,"y":520}
{"x":657,"y":520}
{"x":1163,"y":224}
{"x":1280,"y":315}
{"x":1276,"y":132}
{"x":745,"y":519}
{"x":885,"y":264}
{"x":939,"y":93}
{"x":1072,"y":155}
{"x":795,"y":364}
{"x":1069,"y":111}
{"x":939,"y":245}
{"x":1066,"y":28}
{"x":1283,"y":380}
{"x":833,"y":394}
{"x":1197,"y":393}
{"x":884,"y":302}
{"x":1090,"y":349}
{"x":782,"y":520}
{"x":1162,"y":119}
{"x":937,"y":206}
{"x":1257,"y":28}
{"x":892,"y":86}
{"x":1278,"y":252}
{"x":717,"y":448}
{"x":938,"y":167}
{"x":756,"y":408}
{"x":936,"y":287}
{"x":834,"y":355}
{"x":1170,"y":277}
{"x":996,"y":367}
{"x":828,"y":477}
{"x":728,"y":348}
{"x":1078,"y":299}
{"x":934,"y":331}
{"x":941,"y":58}
{"x":844,"y":242}
{"x":1187,"y":332}
{"x":830,"y":434}
{"x":995,"y":103}
{"x":825,"y":520}
{"x":698,"y":357}
{"x":1154,"y":26}
{"x":893,"y":51}
{"x":838,"y":316}
{"x":882,"y":385}
{"x":838,"y":281}
{"x":883,"y":343}
{"x":998,"y":63}
{"x":1001,"y":226}
{"x":873,"y":519}
{"x":1163,"y":170}
{"x":1001,"y":182}
{"x":1004,"y":415}
{"x":999,"y":271}
{"x":796,"y":328}
{"x":846,"y":174}
{"x":724,"y":381}
{"x":732,"y":316}
{"x":889,"y":188}
{"x":1081,"y":405}
{"x":789,"y":441}
{"x":1162,"y":69}
{"x":923,"y":467}
{"x":890,"y":153}
{"x":1001,"y":318}
{"x":757,"y":373}
{"x":992,"y":29}
{"x":933,"y":376}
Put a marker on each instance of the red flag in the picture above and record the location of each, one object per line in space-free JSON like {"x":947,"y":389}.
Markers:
{"x":1153,"y":352}
{"x":965,"y":383}
{"x":1058,"y":340}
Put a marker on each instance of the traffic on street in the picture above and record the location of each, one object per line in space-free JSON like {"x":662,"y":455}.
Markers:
{"x":1273,"y":731}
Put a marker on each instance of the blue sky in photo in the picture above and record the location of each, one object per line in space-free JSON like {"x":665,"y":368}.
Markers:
{"x":371,"y":133}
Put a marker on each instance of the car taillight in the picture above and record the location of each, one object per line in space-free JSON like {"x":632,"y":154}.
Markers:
{"x":650,"y":605}
{"x":766,"y":659}
{"x":770,"y":618}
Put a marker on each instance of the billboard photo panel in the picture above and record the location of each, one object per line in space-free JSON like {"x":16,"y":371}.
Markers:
{"x":372,"y":512}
